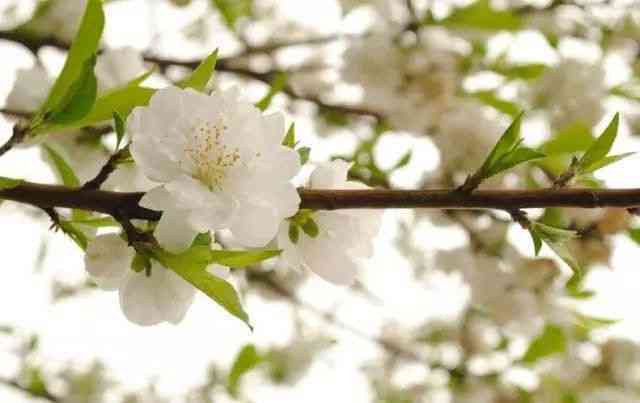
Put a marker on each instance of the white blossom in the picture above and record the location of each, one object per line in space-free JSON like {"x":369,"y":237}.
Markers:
{"x":345,"y":237}
{"x":116,"y":67}
{"x":572,"y":92}
{"x":221,"y":164}
{"x":145,"y":298}
{"x":62,"y":18}
{"x":412,"y":85}
{"x":465,"y":136}
{"x":30,"y":89}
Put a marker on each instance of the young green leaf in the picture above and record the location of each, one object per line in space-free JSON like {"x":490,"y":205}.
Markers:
{"x":84,"y":46}
{"x":556,"y":239}
{"x":290,"y":138}
{"x":294,"y":232}
{"x":201,"y":76}
{"x":611,"y":159}
{"x":277,"y":85}
{"x":63,"y":169}
{"x":122,"y":100}
{"x":601,"y":147}
{"x":551,"y":341}
{"x":514,"y":158}
{"x":241,"y":258}
{"x":303,"y":153}
{"x":247,"y":359}
{"x":74,"y":233}
{"x":310,"y":228}
{"x":506,"y":143}
{"x":9,"y":183}
{"x":79,"y":99}
{"x":191,"y":266}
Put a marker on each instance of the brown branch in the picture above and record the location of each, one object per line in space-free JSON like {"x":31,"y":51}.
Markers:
{"x":16,"y":138}
{"x":107,"y":169}
{"x":107,"y":202}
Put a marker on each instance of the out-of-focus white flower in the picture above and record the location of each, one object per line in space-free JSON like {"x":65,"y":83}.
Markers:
{"x":622,"y":358}
{"x":411,"y":85}
{"x":30,"y":89}
{"x":62,"y":18}
{"x":221,"y":163}
{"x":116,"y":67}
{"x":344,"y":236}
{"x":146,"y":300}
{"x":572,"y":92}
{"x":465,"y":136}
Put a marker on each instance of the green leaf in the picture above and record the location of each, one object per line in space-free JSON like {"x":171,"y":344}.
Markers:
{"x":277,"y":85}
{"x":122,"y":100}
{"x":601,"y":147}
{"x":84,"y":46}
{"x":118,"y":124}
{"x":556,"y":238}
{"x":191,"y":266}
{"x":304,"y":153}
{"x":514,"y":158}
{"x":310,"y":228}
{"x":290,"y":138}
{"x":551,"y":341}
{"x":491,"y":99}
{"x":606,"y":161}
{"x":9,"y":183}
{"x":480,"y":15}
{"x":506,"y":143}
{"x":79,"y":99}
{"x":63,"y":169}
{"x":232,"y":10}
{"x":241,"y":258}
{"x":201,"y":76}
{"x":294,"y":232}
{"x":247,"y":359}
{"x":634,"y":233}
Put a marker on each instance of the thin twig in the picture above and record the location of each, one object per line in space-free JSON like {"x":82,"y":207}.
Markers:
{"x":107,"y":169}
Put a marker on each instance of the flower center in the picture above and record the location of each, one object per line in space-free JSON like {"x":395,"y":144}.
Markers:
{"x":209,"y":157}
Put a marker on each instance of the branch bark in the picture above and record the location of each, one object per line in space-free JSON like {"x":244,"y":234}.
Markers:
{"x":108,"y":202}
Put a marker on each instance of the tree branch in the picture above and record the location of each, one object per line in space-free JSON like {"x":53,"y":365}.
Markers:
{"x":112,"y":203}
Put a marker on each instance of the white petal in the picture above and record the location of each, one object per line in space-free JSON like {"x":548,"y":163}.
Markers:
{"x":145,"y":150}
{"x":255,"y":224}
{"x":107,"y":260}
{"x":173,"y":294}
{"x":331,"y":264}
{"x":163,"y":296}
{"x":274,"y":130}
{"x":158,"y":198}
{"x":174,"y":232}
{"x":137,"y":300}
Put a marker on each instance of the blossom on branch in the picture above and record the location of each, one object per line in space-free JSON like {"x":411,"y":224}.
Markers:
{"x":343,"y":238}
{"x":221,"y":165}
{"x":146,"y":297}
